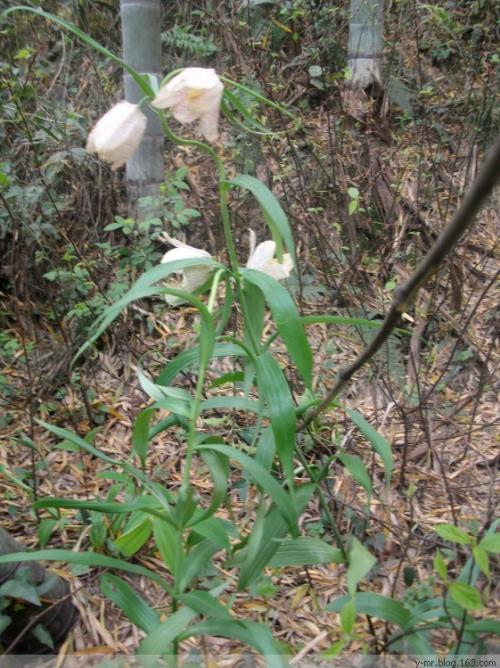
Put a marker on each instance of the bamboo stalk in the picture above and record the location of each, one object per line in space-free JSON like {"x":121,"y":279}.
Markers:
{"x":365,"y":46}
{"x":141,"y":36}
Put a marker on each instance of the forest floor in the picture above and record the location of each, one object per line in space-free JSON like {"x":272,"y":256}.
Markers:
{"x":432,"y":391}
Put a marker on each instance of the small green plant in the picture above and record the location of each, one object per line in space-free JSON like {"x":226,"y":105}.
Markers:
{"x":353,"y":200}
{"x":186,"y":43}
{"x":443,"y":35}
{"x":176,"y":211}
{"x":422,"y":612}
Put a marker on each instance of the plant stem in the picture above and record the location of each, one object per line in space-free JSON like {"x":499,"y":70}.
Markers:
{"x":323,"y":502}
{"x":223,"y":185}
{"x":192,"y":429}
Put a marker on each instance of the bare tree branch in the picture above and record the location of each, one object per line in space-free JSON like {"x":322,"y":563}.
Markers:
{"x":404,"y":294}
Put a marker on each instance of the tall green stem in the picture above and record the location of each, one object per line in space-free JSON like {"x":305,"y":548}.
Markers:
{"x":195,"y":412}
{"x":223,"y":185}
{"x":224,"y":209}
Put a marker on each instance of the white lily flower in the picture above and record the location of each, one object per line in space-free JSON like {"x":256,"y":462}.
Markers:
{"x":262,"y":258}
{"x":194,"y":95}
{"x":192,"y":277}
{"x":116,"y":135}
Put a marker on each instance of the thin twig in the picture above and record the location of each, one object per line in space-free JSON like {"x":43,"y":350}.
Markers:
{"x":404,"y":294}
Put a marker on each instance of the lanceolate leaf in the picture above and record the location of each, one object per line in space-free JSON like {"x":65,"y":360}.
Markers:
{"x":191,"y":356}
{"x":256,"y":635}
{"x":453,"y":534}
{"x":216,"y":529}
{"x":257,"y":128}
{"x":159,"y":640}
{"x":357,"y":469}
{"x":375,"y":605}
{"x":135,"y":607}
{"x":167,"y":540}
{"x":360,"y":563}
{"x":144,"y":287}
{"x":255,"y":310}
{"x":43,"y":635}
{"x":230,"y":403}
{"x":20,"y":590}
{"x":266,"y":448}
{"x":466,"y":596}
{"x":85,"y":559}
{"x":196,"y":562}
{"x":305,"y":551}
{"x":140,"y":434}
{"x":132,"y":470}
{"x":254,"y":543}
{"x":162,"y":271}
{"x":348,"y":616}
{"x":274,"y":528}
{"x":379,"y":443}
{"x":276,"y":393}
{"x":485,"y":626}
{"x":174,"y":399}
{"x":132,"y":540}
{"x":218,"y":466}
{"x":287,"y":321}
{"x":273,"y":213}
{"x":264,"y":479}
{"x":491,"y":543}
{"x":481,"y":558}
{"x":205,"y":604}
{"x":104,"y":506}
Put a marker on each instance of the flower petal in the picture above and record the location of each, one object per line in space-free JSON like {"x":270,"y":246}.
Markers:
{"x":262,"y":258}
{"x":277,"y":270}
{"x":184,"y":253}
{"x":194,"y":94}
{"x":192,"y":277}
{"x":209,"y":124}
{"x":116,"y":135}
{"x":263,"y":254}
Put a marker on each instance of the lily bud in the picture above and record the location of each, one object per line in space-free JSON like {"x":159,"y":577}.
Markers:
{"x":194,"y":95}
{"x":262,"y":258}
{"x":116,"y":135}
{"x":192,"y":277}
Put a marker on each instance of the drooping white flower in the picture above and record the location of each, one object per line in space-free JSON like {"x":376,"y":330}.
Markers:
{"x":194,"y":95}
{"x":116,"y":135}
{"x":192,"y":277}
{"x":262,"y":258}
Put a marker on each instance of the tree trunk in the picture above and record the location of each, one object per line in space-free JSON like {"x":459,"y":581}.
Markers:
{"x":31,"y":623}
{"x":141,"y":34}
{"x":366,"y":36}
